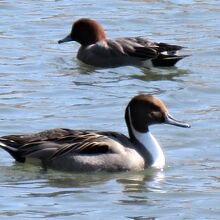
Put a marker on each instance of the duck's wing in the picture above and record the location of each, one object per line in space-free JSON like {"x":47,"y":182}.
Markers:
{"x":134,"y":47}
{"x":121,"y":47}
{"x":52,"y":144}
{"x":159,"y":47}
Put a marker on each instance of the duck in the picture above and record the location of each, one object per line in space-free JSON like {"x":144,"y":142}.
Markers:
{"x":92,"y":150}
{"x":98,"y":51}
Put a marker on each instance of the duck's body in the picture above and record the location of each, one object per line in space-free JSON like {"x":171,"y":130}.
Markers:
{"x":133,"y":51}
{"x":98,"y":51}
{"x":84,"y":150}
{"x":76,"y":150}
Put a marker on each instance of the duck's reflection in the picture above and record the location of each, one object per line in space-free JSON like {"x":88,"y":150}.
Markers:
{"x":157,"y":74}
{"x":144,"y":181}
{"x":153,"y":74}
{"x":132,"y":185}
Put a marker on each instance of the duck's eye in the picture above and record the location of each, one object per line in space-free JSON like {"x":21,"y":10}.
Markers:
{"x":157,"y":116}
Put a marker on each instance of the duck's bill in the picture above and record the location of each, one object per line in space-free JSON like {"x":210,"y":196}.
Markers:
{"x":172,"y":121}
{"x":65,"y":39}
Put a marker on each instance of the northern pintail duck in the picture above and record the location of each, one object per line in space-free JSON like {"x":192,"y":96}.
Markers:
{"x":98,"y":51}
{"x":84,"y":150}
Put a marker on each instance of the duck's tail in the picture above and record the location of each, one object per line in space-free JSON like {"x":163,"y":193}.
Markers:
{"x":167,"y":60}
{"x":11,"y":147}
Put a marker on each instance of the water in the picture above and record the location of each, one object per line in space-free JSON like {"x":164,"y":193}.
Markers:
{"x":42,"y":86}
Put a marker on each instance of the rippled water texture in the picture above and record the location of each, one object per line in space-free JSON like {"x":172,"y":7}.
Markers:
{"x":42,"y":85}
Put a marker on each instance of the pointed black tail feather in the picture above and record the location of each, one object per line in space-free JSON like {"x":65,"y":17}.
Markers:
{"x":11,"y":148}
{"x":167,"y":60}
{"x":163,"y":47}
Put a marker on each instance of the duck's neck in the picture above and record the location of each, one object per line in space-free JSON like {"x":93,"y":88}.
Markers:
{"x":150,"y":150}
{"x":152,"y":146}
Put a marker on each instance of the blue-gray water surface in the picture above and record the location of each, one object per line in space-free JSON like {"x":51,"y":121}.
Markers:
{"x":42,"y":86}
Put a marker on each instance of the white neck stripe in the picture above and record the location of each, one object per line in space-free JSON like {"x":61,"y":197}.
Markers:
{"x":150,"y":143}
